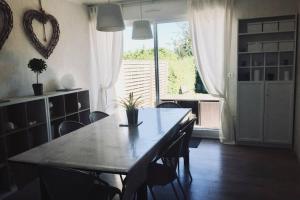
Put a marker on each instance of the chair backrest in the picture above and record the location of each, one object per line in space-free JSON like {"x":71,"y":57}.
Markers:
{"x":68,"y":126}
{"x":97,"y":115}
{"x":170,"y":156}
{"x":188,"y":130}
{"x":63,"y":184}
{"x":168,"y":105}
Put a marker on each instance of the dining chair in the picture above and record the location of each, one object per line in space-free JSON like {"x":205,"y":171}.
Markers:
{"x":62,"y":184}
{"x":97,"y":115}
{"x":168,"y":104}
{"x":161,"y":174}
{"x":184,"y":150}
{"x":68,"y":126}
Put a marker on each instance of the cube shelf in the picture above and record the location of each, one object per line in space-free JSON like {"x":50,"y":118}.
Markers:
{"x":2,"y":151}
{"x":71,"y":103}
{"x":14,"y":118}
{"x":266,"y":46}
{"x":57,"y":107}
{"x":54,"y":127}
{"x":17,"y":143}
{"x":37,"y":135}
{"x":84,"y":117}
{"x":26,"y":123}
{"x":36,"y":112}
{"x":83,"y":100}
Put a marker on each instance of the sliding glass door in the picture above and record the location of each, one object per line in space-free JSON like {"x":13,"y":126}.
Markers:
{"x":163,"y":69}
{"x":137,"y":72}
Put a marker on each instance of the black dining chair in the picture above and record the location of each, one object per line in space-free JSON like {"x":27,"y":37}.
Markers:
{"x":63,"y":184}
{"x":97,"y":115}
{"x":168,"y":104}
{"x":161,"y":174}
{"x":68,"y":126}
{"x":184,"y":153}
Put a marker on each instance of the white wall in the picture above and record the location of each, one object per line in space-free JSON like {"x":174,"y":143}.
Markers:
{"x":297,"y":110}
{"x":71,"y":55}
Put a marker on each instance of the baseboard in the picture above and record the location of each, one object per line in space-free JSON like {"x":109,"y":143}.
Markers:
{"x":206,"y":133}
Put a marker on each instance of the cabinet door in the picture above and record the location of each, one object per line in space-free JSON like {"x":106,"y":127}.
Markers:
{"x":279,"y":112}
{"x":250,"y":111}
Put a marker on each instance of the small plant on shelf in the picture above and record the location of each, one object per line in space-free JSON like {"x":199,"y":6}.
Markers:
{"x":131,"y":105}
{"x":37,"y":66}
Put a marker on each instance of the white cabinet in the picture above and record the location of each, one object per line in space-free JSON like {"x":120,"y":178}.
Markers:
{"x":265,"y":112}
{"x":251,"y":114}
{"x":278,"y":112}
{"x":266,"y":79}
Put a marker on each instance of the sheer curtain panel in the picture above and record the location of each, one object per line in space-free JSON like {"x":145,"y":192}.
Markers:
{"x":211,"y":26}
{"x":106,"y":58}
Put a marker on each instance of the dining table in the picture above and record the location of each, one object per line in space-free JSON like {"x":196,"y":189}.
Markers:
{"x":108,"y":146}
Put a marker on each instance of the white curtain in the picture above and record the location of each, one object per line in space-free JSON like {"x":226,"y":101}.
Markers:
{"x":211,"y":26}
{"x":106,"y":58}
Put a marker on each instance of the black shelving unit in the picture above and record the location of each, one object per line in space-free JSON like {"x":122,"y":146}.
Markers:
{"x":26,"y":123}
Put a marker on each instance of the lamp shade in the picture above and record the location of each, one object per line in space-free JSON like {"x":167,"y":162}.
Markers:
{"x":110,"y":18}
{"x":141,"y":30}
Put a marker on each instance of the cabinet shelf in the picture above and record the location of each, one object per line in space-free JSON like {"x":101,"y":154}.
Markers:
{"x":57,"y":118}
{"x":265,"y":52}
{"x":11,"y":132}
{"x":83,"y":110}
{"x":37,"y":125}
{"x":265,"y":33}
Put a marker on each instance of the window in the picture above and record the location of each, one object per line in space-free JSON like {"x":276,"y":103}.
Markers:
{"x":178,"y":77}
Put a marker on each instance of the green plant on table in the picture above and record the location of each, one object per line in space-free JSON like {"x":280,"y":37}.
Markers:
{"x":131,"y":103}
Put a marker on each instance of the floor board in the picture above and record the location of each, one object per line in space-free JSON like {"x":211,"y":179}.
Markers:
{"x":223,"y":172}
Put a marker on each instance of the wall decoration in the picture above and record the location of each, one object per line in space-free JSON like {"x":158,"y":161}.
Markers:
{"x":42,"y":17}
{"x":6,"y":18}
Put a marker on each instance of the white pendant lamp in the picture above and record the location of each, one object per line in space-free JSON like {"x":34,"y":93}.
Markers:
{"x":110,"y":18}
{"x":142,"y":28}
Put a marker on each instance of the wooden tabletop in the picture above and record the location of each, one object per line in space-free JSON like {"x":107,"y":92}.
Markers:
{"x":104,"y":145}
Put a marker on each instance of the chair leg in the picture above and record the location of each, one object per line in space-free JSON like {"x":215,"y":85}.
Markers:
{"x":181,"y":188}
{"x":122,"y":180}
{"x":186,"y":160}
{"x":152,"y":193}
{"x":175,"y":192}
{"x":190,"y":175}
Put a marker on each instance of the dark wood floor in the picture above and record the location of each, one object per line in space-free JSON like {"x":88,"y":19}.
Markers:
{"x":224,"y":172}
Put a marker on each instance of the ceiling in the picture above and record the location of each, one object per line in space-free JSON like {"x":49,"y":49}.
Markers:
{"x":158,"y":10}
{"x":103,"y":1}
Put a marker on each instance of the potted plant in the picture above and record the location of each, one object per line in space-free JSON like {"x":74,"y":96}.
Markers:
{"x":131,"y":105}
{"x":37,"y":66}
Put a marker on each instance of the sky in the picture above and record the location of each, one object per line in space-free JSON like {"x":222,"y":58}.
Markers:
{"x":166,"y":32}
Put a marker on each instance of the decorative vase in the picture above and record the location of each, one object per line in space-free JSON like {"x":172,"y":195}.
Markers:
{"x":132,"y":117}
{"x":37,"y":89}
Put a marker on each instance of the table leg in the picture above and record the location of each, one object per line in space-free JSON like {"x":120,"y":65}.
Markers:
{"x":43,"y":190}
{"x":142,"y":192}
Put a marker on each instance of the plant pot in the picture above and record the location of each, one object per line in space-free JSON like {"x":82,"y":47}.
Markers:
{"x":37,"y":89}
{"x":132,"y":117}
